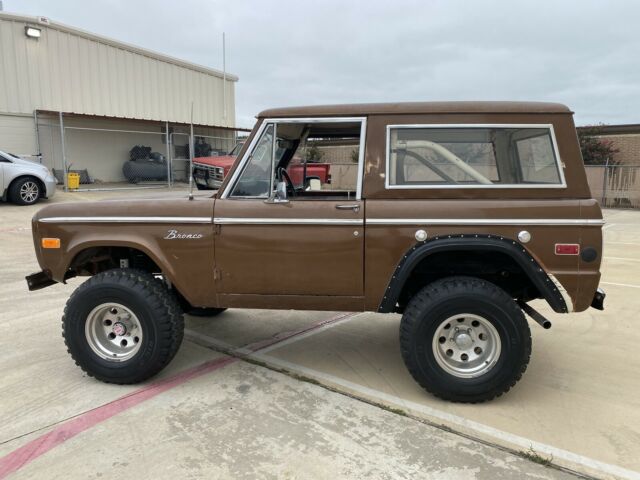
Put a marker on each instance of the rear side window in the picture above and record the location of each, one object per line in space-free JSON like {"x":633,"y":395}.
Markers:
{"x":472,"y":156}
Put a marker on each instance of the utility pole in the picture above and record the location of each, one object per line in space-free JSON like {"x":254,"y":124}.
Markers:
{"x":224,"y":79}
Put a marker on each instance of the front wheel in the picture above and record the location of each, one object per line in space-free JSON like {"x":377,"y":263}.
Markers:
{"x":122,"y":326}
{"x":25,"y":191}
{"x":464,"y":339}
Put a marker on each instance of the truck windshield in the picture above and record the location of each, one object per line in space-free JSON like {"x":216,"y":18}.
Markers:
{"x":236,"y":150}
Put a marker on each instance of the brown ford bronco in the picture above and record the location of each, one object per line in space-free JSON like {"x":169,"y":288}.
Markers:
{"x":455,"y":216}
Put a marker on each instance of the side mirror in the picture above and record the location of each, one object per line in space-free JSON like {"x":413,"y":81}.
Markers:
{"x":280,"y":195}
{"x":281,"y":191}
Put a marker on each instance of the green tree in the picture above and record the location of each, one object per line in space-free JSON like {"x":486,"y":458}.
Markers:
{"x":595,"y":149}
{"x":313,"y":154}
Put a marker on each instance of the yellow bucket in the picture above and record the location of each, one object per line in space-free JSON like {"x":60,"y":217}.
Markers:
{"x":73,"y":180}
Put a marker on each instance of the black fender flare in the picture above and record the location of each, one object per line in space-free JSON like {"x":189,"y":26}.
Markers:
{"x":545,"y":285}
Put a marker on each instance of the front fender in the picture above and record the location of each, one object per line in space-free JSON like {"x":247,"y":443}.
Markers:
{"x":186,"y":263}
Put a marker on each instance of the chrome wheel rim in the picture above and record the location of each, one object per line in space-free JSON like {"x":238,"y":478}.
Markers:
{"x":29,"y":191}
{"x":466,"y":345}
{"x":113,"y":332}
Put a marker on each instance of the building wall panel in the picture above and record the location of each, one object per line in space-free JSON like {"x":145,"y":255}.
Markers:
{"x":78,"y":72}
{"x":17,"y":135}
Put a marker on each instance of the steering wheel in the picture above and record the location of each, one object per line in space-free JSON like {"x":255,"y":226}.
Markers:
{"x":282,"y":173}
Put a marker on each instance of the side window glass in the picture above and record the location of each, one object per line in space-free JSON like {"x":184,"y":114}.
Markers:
{"x":255,"y":179}
{"x":327,"y":164}
{"x":473,"y":156}
{"x":537,"y":160}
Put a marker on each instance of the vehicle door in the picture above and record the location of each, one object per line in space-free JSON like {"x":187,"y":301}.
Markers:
{"x":275,"y":238}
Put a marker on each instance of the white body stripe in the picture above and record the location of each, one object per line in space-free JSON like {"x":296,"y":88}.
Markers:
{"x":287,"y":221}
{"x":126,"y":220}
{"x":484,"y":221}
{"x":330,"y":221}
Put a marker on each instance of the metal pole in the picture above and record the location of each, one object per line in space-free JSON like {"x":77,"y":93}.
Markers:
{"x":604,"y":183}
{"x":64,"y":154}
{"x":35,"y":121}
{"x":224,"y":80}
{"x":191,"y":147}
{"x":166,"y":141}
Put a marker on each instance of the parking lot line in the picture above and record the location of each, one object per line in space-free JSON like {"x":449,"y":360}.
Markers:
{"x":483,"y":432}
{"x":24,"y":455}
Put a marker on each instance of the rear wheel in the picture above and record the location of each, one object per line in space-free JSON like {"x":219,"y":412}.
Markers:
{"x":122,"y":326}
{"x":25,"y":191}
{"x":464,"y":339}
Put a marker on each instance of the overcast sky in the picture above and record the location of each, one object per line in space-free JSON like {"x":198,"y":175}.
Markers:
{"x":583,"y":53}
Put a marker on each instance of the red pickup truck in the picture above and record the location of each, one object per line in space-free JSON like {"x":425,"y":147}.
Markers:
{"x":208,"y":172}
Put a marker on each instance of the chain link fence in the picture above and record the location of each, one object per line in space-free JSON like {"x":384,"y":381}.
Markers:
{"x":205,"y":147}
{"x":114,"y":154}
{"x":615,"y":186}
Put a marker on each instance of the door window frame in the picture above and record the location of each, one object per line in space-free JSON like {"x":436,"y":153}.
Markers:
{"x":275,"y":121}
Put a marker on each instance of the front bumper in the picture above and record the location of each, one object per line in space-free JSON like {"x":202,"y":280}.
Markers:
{"x":208,"y":182}
{"x":50,"y":186}
{"x":208,"y":176}
{"x":598,"y":299}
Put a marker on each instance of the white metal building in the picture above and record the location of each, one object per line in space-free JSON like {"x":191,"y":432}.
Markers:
{"x":102,"y":84}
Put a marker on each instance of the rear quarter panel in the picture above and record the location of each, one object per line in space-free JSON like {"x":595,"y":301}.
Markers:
{"x":386,"y":244}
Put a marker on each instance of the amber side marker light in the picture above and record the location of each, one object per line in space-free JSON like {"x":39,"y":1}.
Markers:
{"x":50,"y":243}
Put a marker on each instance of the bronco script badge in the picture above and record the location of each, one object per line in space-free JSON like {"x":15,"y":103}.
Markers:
{"x":175,"y":234}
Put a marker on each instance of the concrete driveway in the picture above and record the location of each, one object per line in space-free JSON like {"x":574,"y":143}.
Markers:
{"x":344,"y":407}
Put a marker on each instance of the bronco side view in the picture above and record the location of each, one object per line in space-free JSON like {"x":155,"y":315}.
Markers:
{"x":456,"y":215}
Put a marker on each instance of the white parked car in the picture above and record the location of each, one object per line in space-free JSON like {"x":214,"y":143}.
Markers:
{"x":24,"y":182}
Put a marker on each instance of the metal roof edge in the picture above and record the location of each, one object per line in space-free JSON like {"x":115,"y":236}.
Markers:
{"x":46,"y":22}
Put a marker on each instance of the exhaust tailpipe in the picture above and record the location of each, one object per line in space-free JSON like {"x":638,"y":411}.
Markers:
{"x":535,"y":315}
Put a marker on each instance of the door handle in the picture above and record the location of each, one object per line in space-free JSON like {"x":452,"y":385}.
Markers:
{"x":354,"y":207}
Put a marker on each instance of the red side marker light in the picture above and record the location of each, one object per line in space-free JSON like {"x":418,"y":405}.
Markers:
{"x":567,"y":249}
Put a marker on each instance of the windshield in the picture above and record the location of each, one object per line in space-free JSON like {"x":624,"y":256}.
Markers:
{"x":236,"y":149}
{"x":8,"y":156}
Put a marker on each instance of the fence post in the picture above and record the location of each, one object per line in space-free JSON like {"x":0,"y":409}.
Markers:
{"x":64,"y":154}
{"x":604,"y":183}
{"x":191,"y":153}
{"x":166,"y":141}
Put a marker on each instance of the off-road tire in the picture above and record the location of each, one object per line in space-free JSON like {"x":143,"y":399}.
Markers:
{"x":15,"y":194}
{"x":154,"y":305}
{"x":455,"y":295}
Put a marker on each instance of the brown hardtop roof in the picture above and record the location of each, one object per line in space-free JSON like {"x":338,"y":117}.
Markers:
{"x":359,"y":109}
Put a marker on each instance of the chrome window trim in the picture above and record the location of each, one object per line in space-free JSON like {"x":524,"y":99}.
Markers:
{"x":406,"y":221}
{"x":244,"y":160}
{"x":549,"y":126}
{"x":126,"y":220}
{"x":267,"y":121}
{"x":484,"y":221}
{"x":247,"y":157}
{"x":285,"y":221}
